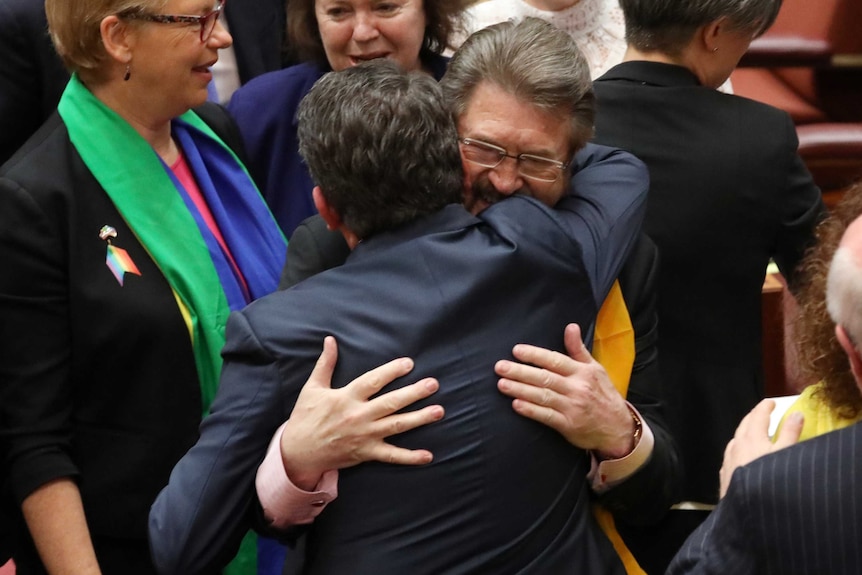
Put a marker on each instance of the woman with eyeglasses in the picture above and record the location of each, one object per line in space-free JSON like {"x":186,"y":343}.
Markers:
{"x":331,"y":35}
{"x":129,"y":230}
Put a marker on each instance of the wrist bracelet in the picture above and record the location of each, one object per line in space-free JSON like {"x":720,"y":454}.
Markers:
{"x":639,"y":426}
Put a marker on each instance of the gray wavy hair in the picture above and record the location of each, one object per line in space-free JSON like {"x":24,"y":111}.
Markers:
{"x":531,"y":60}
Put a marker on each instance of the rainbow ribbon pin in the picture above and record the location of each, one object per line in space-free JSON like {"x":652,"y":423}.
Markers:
{"x":119,"y":261}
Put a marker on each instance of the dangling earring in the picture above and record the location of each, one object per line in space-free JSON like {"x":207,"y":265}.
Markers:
{"x":128,"y":73}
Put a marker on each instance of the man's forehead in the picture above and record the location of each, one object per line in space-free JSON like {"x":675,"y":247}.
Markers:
{"x":497,"y":116}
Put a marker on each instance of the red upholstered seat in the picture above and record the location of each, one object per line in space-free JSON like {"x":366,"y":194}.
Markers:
{"x":764,"y":86}
{"x":833,"y":153}
{"x":810,"y":65}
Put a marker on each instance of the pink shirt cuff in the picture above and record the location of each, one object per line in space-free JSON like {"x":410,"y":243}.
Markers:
{"x":284,"y":504}
{"x":611,"y":472}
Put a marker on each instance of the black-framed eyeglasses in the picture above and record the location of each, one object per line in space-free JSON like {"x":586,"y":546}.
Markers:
{"x":530,"y":166}
{"x":207,"y":22}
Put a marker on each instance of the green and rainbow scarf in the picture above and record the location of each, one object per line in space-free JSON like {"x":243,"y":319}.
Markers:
{"x":155,"y":207}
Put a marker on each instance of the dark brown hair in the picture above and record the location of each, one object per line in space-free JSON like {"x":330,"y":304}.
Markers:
{"x":381,"y":144}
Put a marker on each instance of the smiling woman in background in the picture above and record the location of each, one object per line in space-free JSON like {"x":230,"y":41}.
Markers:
{"x":330,"y":35}
{"x":128,"y":232}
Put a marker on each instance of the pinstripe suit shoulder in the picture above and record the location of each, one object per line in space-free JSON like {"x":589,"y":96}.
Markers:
{"x":796,"y":511}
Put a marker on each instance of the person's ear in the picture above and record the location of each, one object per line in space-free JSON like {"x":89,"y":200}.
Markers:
{"x":116,"y":39}
{"x":852,"y":353}
{"x":710,"y":34}
{"x":327,"y":212}
{"x":333,"y":218}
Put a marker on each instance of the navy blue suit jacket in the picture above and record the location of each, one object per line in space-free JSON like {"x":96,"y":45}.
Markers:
{"x":455,"y":292}
{"x":797,"y":511}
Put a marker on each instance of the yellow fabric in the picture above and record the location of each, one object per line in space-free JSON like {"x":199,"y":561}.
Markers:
{"x":819,"y":418}
{"x":187,"y":317}
{"x":606,"y":522}
{"x":614,"y":348}
{"x":614,"y":342}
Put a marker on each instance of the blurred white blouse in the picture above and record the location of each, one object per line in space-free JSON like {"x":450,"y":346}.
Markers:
{"x":597,"y":26}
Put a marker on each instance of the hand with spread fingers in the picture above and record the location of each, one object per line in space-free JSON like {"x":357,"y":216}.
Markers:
{"x":338,"y":428}
{"x":571,"y":394}
{"x":751,"y":440}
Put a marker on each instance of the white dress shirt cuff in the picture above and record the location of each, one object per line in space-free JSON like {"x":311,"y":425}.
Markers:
{"x":284,"y":504}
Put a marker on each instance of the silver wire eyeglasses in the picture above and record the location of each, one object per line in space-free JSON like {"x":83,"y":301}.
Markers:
{"x":530,"y":166}
{"x":207,"y":22}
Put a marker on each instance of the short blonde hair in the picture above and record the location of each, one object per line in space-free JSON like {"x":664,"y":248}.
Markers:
{"x":74,"y":27}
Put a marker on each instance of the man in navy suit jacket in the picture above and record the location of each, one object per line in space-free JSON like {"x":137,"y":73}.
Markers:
{"x":504,"y":493}
{"x":796,"y":510}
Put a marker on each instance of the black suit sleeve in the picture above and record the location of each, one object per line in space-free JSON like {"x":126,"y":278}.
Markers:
{"x":312,"y":249}
{"x":646,"y":496}
{"x":801,"y":206}
{"x":37,"y":394}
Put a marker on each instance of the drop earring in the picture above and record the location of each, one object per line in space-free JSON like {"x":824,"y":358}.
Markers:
{"x":128,"y":73}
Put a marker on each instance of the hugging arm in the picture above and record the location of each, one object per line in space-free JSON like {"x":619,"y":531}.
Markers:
{"x":609,"y":193}
{"x":637,"y":482}
{"x":199,"y":518}
{"x":646,"y":495}
{"x":331,"y":429}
